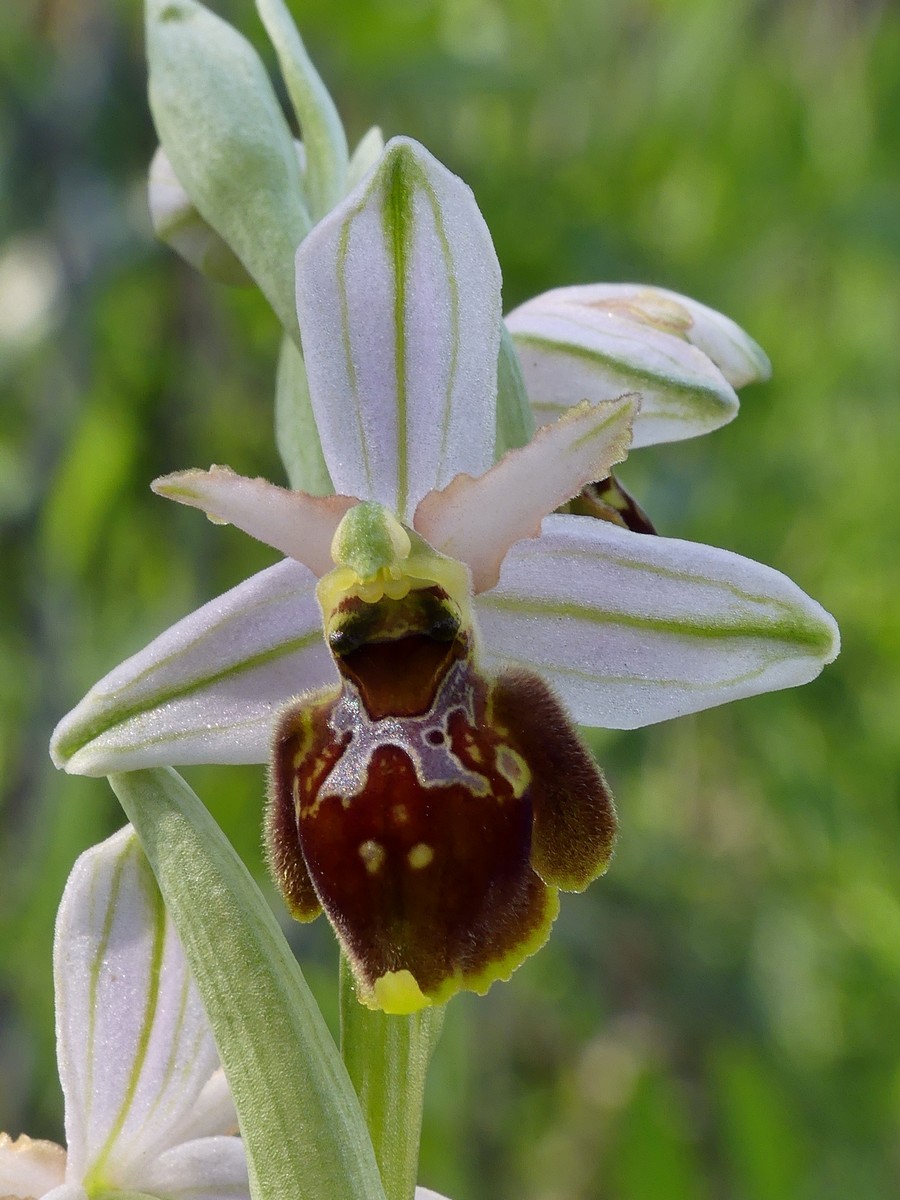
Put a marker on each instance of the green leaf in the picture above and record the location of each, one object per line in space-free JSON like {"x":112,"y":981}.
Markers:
{"x":300,"y":1120}
{"x":295,"y":426}
{"x":320,"y":125}
{"x":224,"y":132}
{"x":763,"y":1133}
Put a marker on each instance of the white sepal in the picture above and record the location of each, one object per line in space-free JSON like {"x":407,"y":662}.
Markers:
{"x":632,"y":629}
{"x":398,"y":297}
{"x":133,"y":1043}
{"x":207,"y":689}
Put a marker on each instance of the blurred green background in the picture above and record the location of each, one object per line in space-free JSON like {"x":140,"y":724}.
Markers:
{"x":719,"y":1017}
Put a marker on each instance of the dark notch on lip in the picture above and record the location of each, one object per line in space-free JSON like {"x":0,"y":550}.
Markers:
{"x":397,"y":652}
{"x":426,"y":611}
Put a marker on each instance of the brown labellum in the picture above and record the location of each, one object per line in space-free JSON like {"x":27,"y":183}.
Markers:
{"x":431,"y":811}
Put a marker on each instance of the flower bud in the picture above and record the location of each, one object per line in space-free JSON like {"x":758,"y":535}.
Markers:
{"x":369,"y":149}
{"x":177,"y":223}
{"x":607,"y":500}
{"x":223,"y":129}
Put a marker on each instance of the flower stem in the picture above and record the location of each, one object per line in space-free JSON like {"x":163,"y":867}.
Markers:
{"x":387,"y":1059}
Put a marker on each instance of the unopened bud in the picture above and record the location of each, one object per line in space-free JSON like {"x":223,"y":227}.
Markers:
{"x":178,"y":223}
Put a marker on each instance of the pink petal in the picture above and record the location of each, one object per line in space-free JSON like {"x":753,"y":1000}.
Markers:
{"x":28,"y":1167}
{"x":477,"y":520}
{"x":295,"y":523}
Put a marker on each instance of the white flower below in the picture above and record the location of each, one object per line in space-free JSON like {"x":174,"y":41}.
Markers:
{"x":147,"y":1107}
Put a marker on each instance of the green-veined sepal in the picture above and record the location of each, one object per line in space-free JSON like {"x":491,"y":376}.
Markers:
{"x":209,"y":688}
{"x":398,"y":297}
{"x":631,"y":629}
{"x":598,"y":340}
{"x":136,"y":1054}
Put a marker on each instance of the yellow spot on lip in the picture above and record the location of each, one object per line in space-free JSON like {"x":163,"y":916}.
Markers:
{"x":397,"y":992}
{"x":420,"y":856}
{"x":372,"y":854}
{"x":514,"y":769}
{"x":400,"y":813}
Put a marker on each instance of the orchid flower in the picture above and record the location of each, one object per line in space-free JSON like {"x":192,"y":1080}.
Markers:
{"x":595,"y":341}
{"x":147,"y":1108}
{"x":428,"y":788}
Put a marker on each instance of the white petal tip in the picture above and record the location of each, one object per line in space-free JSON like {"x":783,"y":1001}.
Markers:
{"x":72,"y":751}
{"x":760,"y":364}
{"x":831,"y":638}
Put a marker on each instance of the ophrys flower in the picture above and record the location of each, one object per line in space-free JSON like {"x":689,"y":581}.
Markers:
{"x":443,"y":583}
{"x":147,"y":1108}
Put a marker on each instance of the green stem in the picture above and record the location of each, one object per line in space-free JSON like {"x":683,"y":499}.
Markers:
{"x":301,"y":1125}
{"x":387,"y":1059}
